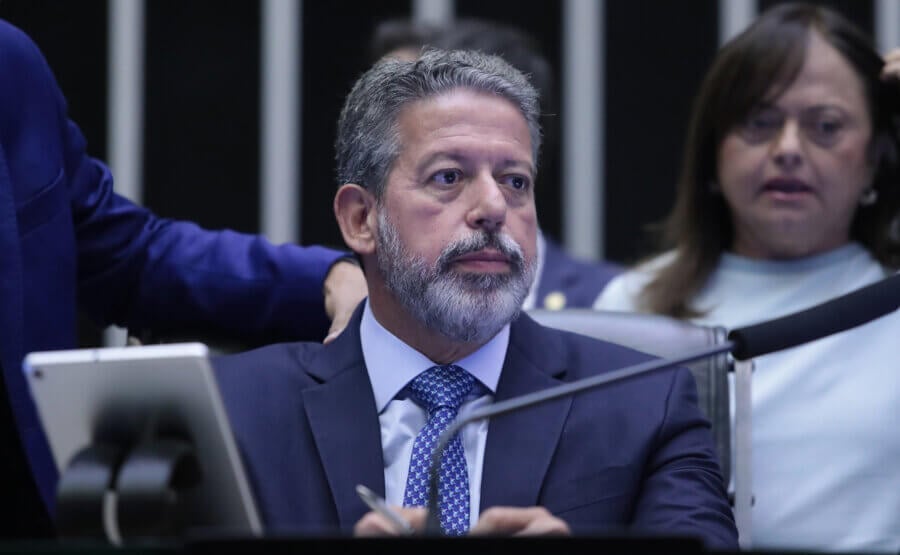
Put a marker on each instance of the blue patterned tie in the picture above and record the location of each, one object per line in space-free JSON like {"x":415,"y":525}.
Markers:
{"x":440,"y":390}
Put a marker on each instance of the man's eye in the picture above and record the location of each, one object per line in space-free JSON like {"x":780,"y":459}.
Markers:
{"x":517,"y":182}
{"x":447,"y":177}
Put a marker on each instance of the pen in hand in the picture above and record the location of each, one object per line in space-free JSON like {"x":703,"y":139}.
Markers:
{"x":377,"y":504}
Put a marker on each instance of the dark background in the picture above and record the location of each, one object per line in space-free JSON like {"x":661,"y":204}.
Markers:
{"x":201,"y":158}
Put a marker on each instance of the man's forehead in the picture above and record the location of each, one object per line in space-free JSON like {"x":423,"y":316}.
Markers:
{"x":463,"y":112}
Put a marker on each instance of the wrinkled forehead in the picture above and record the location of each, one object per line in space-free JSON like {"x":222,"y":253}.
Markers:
{"x":466,"y":124}
{"x":463,"y":106}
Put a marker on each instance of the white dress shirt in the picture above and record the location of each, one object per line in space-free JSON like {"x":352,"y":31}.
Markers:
{"x":392,"y":364}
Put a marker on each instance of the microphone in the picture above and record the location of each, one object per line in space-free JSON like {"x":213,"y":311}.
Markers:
{"x":837,"y":315}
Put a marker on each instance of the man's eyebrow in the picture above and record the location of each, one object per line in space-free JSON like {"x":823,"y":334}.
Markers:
{"x":438,"y":155}
{"x":510,"y":162}
{"x":459,"y":157}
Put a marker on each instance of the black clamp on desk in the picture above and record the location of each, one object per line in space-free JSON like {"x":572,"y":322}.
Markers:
{"x":146,"y":483}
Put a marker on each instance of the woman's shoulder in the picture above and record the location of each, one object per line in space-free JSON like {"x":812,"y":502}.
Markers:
{"x":623,"y":292}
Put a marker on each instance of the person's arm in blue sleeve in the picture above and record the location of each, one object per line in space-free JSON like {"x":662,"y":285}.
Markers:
{"x":144,"y":272}
{"x":683,"y":491}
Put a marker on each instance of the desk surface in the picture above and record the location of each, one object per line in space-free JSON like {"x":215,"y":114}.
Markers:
{"x":370,"y":546}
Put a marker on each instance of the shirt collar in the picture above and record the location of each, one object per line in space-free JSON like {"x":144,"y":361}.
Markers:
{"x":391,"y":363}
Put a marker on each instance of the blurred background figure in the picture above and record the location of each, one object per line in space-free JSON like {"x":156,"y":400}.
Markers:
{"x":400,"y":38}
{"x":562,"y":280}
{"x":789,"y":196}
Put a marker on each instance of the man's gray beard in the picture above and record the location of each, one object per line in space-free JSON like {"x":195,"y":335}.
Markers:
{"x":465,"y":307}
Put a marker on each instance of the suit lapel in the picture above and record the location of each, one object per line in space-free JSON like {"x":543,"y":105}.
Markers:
{"x":344,"y":421}
{"x":520,"y":445}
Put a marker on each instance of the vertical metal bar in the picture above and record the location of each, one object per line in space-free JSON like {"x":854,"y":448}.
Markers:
{"x":436,"y":12}
{"x":125,"y":108}
{"x":743,"y":451}
{"x":280,"y":153}
{"x":887,"y":25}
{"x":125,"y":104}
{"x":583,"y":126}
{"x":734,"y":17}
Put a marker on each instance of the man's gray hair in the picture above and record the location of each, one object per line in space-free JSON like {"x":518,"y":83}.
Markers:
{"x":368,"y":140}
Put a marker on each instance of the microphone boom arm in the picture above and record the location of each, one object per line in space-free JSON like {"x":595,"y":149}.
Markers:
{"x":834,"y":316}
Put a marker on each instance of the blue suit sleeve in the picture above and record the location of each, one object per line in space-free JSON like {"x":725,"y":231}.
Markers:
{"x":683,"y":489}
{"x":141,"y":271}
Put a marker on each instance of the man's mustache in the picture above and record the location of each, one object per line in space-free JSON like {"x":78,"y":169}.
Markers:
{"x":502,"y":243}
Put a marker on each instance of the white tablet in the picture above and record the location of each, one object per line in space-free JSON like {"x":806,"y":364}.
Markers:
{"x":116,"y":393}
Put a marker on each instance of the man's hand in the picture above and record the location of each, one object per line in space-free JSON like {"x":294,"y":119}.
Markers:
{"x":373,"y":524}
{"x":496,"y":521}
{"x":345,"y":286}
{"x":519,"y":521}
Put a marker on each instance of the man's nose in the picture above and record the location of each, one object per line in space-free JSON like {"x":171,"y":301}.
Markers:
{"x":488,"y":210}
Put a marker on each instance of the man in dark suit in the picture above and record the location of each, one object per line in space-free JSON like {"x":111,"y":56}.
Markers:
{"x":67,"y":241}
{"x":437,"y":163}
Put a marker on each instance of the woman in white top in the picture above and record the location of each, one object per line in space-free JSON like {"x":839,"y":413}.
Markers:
{"x":789,"y":196}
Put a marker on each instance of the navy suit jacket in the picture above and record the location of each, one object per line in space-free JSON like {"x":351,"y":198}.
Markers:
{"x":636,"y":454}
{"x":579,"y":281}
{"x":68,"y":241}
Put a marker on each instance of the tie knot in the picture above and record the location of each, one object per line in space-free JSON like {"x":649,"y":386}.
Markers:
{"x":442,"y":386}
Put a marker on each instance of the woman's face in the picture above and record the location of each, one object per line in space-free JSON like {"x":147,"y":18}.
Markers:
{"x":792,"y":173}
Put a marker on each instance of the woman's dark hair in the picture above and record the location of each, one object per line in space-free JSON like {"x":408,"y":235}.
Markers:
{"x":756,"y":66}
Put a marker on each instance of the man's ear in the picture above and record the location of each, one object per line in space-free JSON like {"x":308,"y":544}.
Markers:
{"x":354,"y":210}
